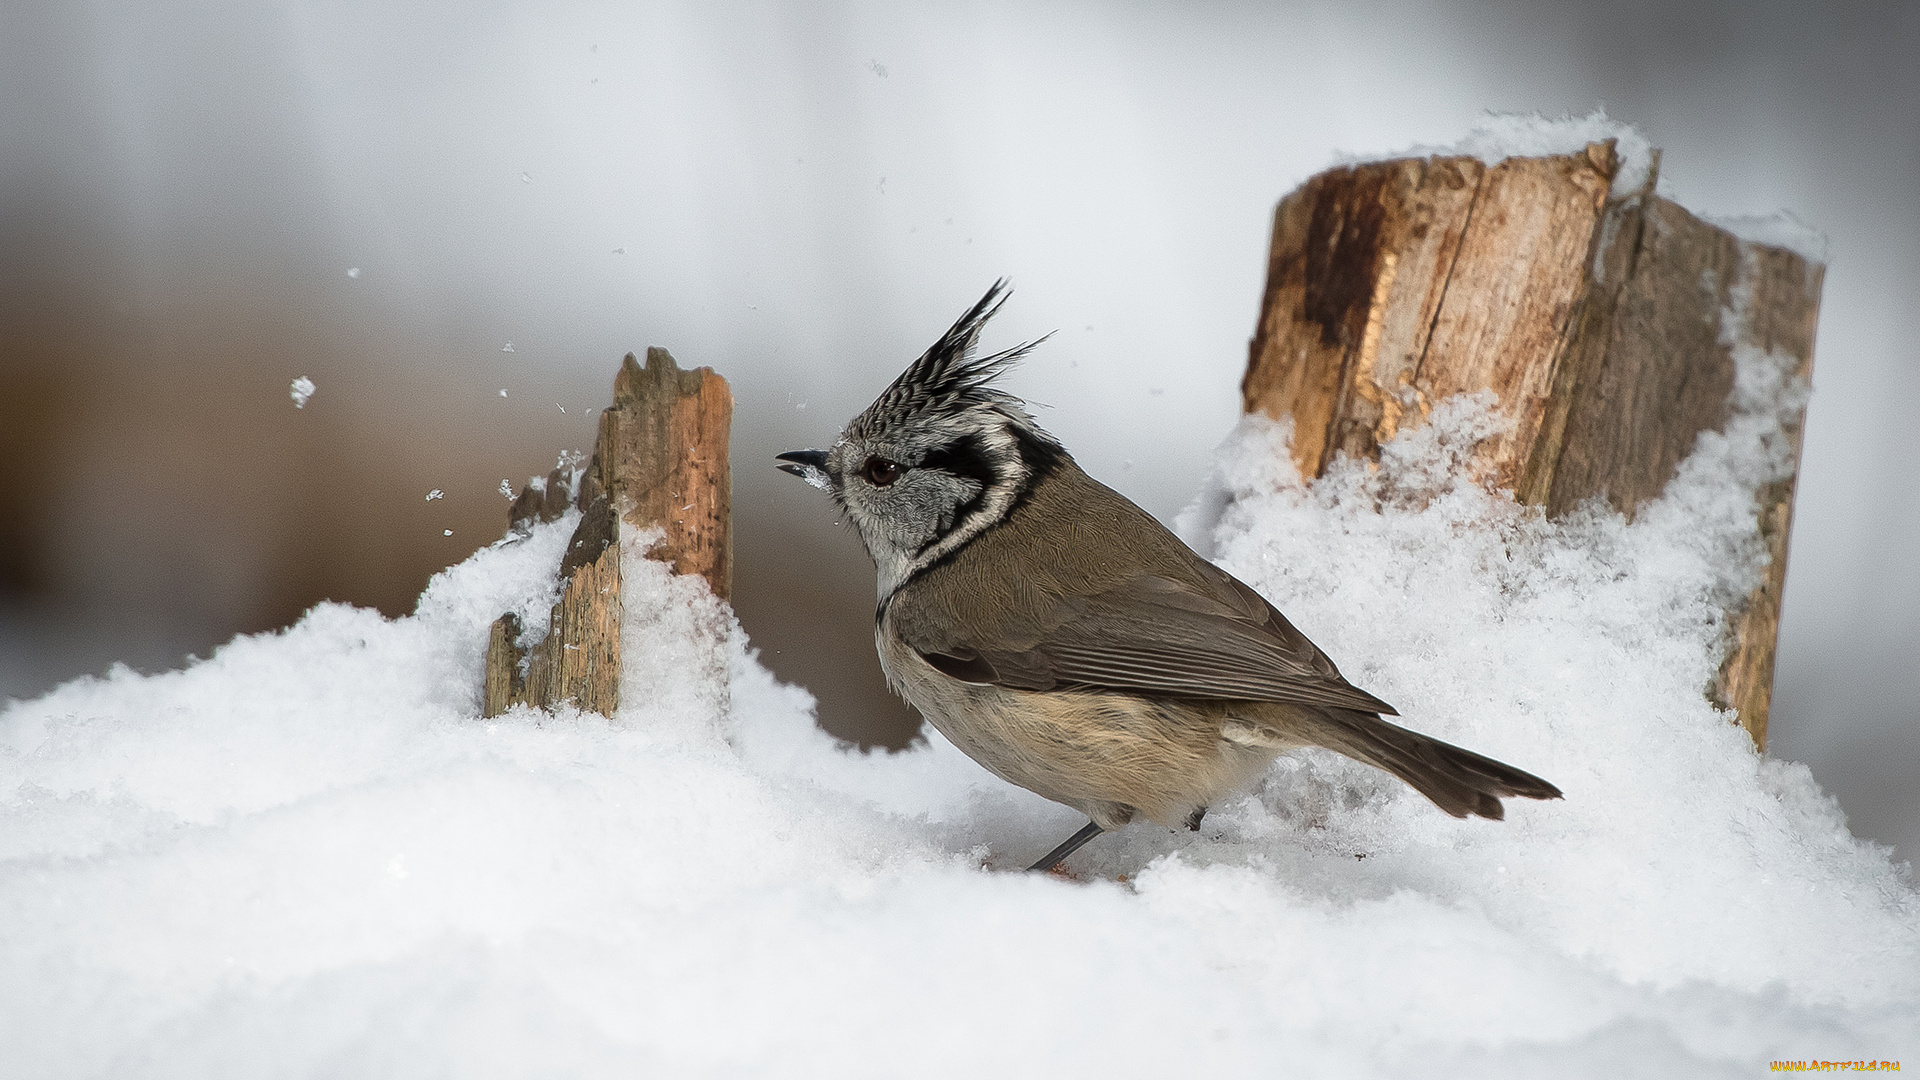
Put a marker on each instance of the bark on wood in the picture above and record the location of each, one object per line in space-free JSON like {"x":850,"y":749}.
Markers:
{"x":660,"y":461}
{"x":1598,"y":322}
{"x":662,"y":453}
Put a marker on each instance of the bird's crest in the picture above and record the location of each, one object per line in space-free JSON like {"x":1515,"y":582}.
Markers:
{"x":948,"y":379}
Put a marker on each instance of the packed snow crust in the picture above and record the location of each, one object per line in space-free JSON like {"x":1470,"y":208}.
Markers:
{"x":1499,"y":136}
{"x":308,"y":855}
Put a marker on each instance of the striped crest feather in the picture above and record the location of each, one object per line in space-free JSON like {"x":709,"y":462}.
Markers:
{"x":948,"y":380}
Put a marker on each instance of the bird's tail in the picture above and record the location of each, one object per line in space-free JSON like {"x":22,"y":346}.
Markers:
{"x":1458,"y":781}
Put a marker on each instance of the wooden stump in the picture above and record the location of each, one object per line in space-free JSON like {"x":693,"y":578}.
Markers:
{"x":660,"y":461}
{"x":1597,"y":319}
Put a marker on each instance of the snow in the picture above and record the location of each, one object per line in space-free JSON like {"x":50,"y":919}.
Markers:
{"x":301,"y":391}
{"x":307,"y":854}
{"x":1781,"y":230}
{"x":814,"y":475}
{"x":1499,"y":136}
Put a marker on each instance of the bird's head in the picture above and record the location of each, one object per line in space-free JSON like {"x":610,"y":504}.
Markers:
{"x":939,"y":457}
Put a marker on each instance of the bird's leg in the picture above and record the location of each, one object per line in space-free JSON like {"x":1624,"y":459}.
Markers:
{"x":1067,"y":847}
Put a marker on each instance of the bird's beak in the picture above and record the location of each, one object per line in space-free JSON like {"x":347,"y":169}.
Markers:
{"x":808,"y":465}
{"x":805,"y":459}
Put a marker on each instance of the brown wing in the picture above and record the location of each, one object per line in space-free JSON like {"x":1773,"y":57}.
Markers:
{"x":1158,"y":636}
{"x":1157,"y":620}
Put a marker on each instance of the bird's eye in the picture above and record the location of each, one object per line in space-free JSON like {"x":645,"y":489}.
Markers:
{"x":881,"y":472}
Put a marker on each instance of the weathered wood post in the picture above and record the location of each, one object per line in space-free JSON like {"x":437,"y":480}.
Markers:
{"x":1598,"y":318}
{"x":660,"y":461}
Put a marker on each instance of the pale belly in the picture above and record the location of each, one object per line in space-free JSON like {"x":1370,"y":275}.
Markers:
{"x":1109,"y":755}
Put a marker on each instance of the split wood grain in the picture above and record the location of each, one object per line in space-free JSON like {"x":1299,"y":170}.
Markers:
{"x":662,"y":453}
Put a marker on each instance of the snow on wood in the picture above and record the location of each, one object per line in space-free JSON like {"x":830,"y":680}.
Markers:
{"x":1605,"y":322}
{"x":660,"y":462}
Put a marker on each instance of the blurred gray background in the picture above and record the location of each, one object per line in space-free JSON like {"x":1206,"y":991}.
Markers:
{"x":803,"y":196}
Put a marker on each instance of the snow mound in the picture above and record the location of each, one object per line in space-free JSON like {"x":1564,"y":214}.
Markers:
{"x":308,"y":854}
